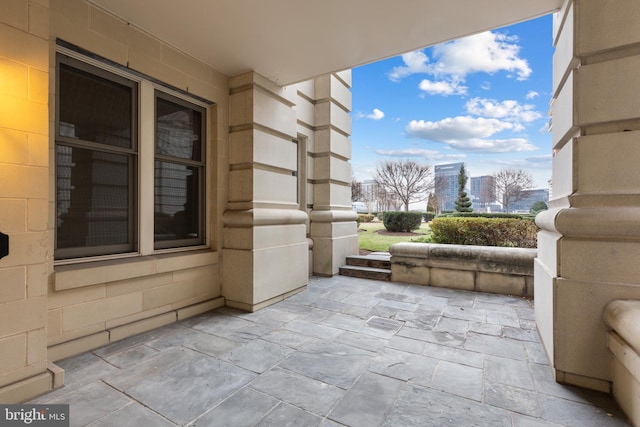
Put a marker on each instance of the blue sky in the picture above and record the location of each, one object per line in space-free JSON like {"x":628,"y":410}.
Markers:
{"x":482,"y":100}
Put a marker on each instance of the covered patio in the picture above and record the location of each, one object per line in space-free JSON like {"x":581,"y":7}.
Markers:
{"x":345,"y":351}
{"x":116,"y":219}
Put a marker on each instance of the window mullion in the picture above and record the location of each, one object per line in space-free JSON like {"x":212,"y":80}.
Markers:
{"x":147,"y":152}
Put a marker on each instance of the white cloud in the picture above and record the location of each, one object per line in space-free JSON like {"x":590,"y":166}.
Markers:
{"x":488,"y":52}
{"x":546,"y":128}
{"x":470,"y":133}
{"x":453,"y":128}
{"x":538,"y":166}
{"x":415,"y":63}
{"x":534,"y":162}
{"x":362,"y":172}
{"x":376,"y":115}
{"x":442,"y":88}
{"x":509,"y":110}
{"x":494,"y":145}
{"x":532,"y":94}
{"x":432,"y":155}
{"x":544,"y":159}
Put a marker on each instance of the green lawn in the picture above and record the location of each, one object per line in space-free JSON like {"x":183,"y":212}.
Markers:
{"x":372,"y":241}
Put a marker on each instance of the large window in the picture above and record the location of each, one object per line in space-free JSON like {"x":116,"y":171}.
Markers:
{"x":96,"y":162}
{"x":179,"y":173}
{"x":116,"y":172}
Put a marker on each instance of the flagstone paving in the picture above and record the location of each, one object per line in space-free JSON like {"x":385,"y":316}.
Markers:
{"x":346,"y":351}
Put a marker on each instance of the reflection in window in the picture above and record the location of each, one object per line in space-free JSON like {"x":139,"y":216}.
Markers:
{"x":176,"y":201}
{"x":179,"y":173}
{"x":92,"y":198}
{"x":95,"y":161}
{"x":93,"y":108}
{"x":178,"y":131}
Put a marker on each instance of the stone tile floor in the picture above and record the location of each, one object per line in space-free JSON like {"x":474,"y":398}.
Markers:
{"x":346,"y":351}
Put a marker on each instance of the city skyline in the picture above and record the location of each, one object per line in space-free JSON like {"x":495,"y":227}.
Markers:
{"x":481,"y":100}
{"x":480,"y":189}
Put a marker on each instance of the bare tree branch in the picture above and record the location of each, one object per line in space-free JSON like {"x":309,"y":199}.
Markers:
{"x":406,"y":179}
{"x":510,"y":185}
{"x":356,"y":189}
{"x":440,"y":186}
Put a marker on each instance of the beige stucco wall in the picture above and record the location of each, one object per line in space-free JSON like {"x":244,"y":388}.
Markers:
{"x":24,"y":129}
{"x":589,"y":246}
{"x":289,"y":210}
{"x":267,"y":229}
{"x":264,"y":230}
{"x":93,"y":303}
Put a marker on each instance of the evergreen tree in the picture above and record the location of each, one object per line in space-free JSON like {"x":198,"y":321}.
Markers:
{"x":538,"y":207}
{"x":463,"y":202}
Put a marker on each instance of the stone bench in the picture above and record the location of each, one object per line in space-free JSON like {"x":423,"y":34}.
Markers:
{"x":490,"y":269}
{"x":623,"y":341}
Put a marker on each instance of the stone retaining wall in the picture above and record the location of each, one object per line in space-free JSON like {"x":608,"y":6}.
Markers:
{"x":623,"y":341}
{"x":473,"y":268}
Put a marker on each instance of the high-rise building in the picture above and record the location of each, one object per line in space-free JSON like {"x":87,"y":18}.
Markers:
{"x":529,"y":197}
{"x":377,"y":200}
{"x":483,"y":193}
{"x":446,"y":184}
{"x":370,"y":195}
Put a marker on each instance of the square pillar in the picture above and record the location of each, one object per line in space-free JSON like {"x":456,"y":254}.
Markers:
{"x":589,"y":246}
{"x":333,"y":222}
{"x":265,"y":250}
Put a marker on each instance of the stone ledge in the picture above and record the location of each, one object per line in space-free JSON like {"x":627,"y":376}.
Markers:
{"x":333,"y":216}
{"x":623,"y":316}
{"x":613,"y":221}
{"x":98,"y":272}
{"x":475,"y":268}
{"x":263,"y":216}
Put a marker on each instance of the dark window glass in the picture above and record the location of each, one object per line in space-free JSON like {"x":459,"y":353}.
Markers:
{"x":95,"y":162}
{"x":179,"y":173}
{"x":177,"y":200}
{"x":93,"y":108}
{"x":92,"y":198}
{"x":178,"y":130}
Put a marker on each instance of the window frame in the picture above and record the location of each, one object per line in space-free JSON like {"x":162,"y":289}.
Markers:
{"x":201,"y":165}
{"x":143,"y":163}
{"x":132,"y":154}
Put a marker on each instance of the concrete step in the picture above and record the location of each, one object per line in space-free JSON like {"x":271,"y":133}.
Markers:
{"x":373,"y":261}
{"x":366,"y":272}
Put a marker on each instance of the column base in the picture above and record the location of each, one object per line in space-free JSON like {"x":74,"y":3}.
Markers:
{"x":335,"y":236}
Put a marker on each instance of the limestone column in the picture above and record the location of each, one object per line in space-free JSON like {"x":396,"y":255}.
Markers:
{"x":589,"y":246}
{"x":24,"y":201}
{"x":333,"y":227}
{"x":265,"y":248}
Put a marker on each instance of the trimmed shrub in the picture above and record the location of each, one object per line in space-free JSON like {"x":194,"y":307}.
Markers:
{"x":365,"y":218}
{"x":485,"y":215}
{"x":538,"y":207}
{"x":428,"y":216}
{"x":510,"y":232}
{"x":399,"y":221}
